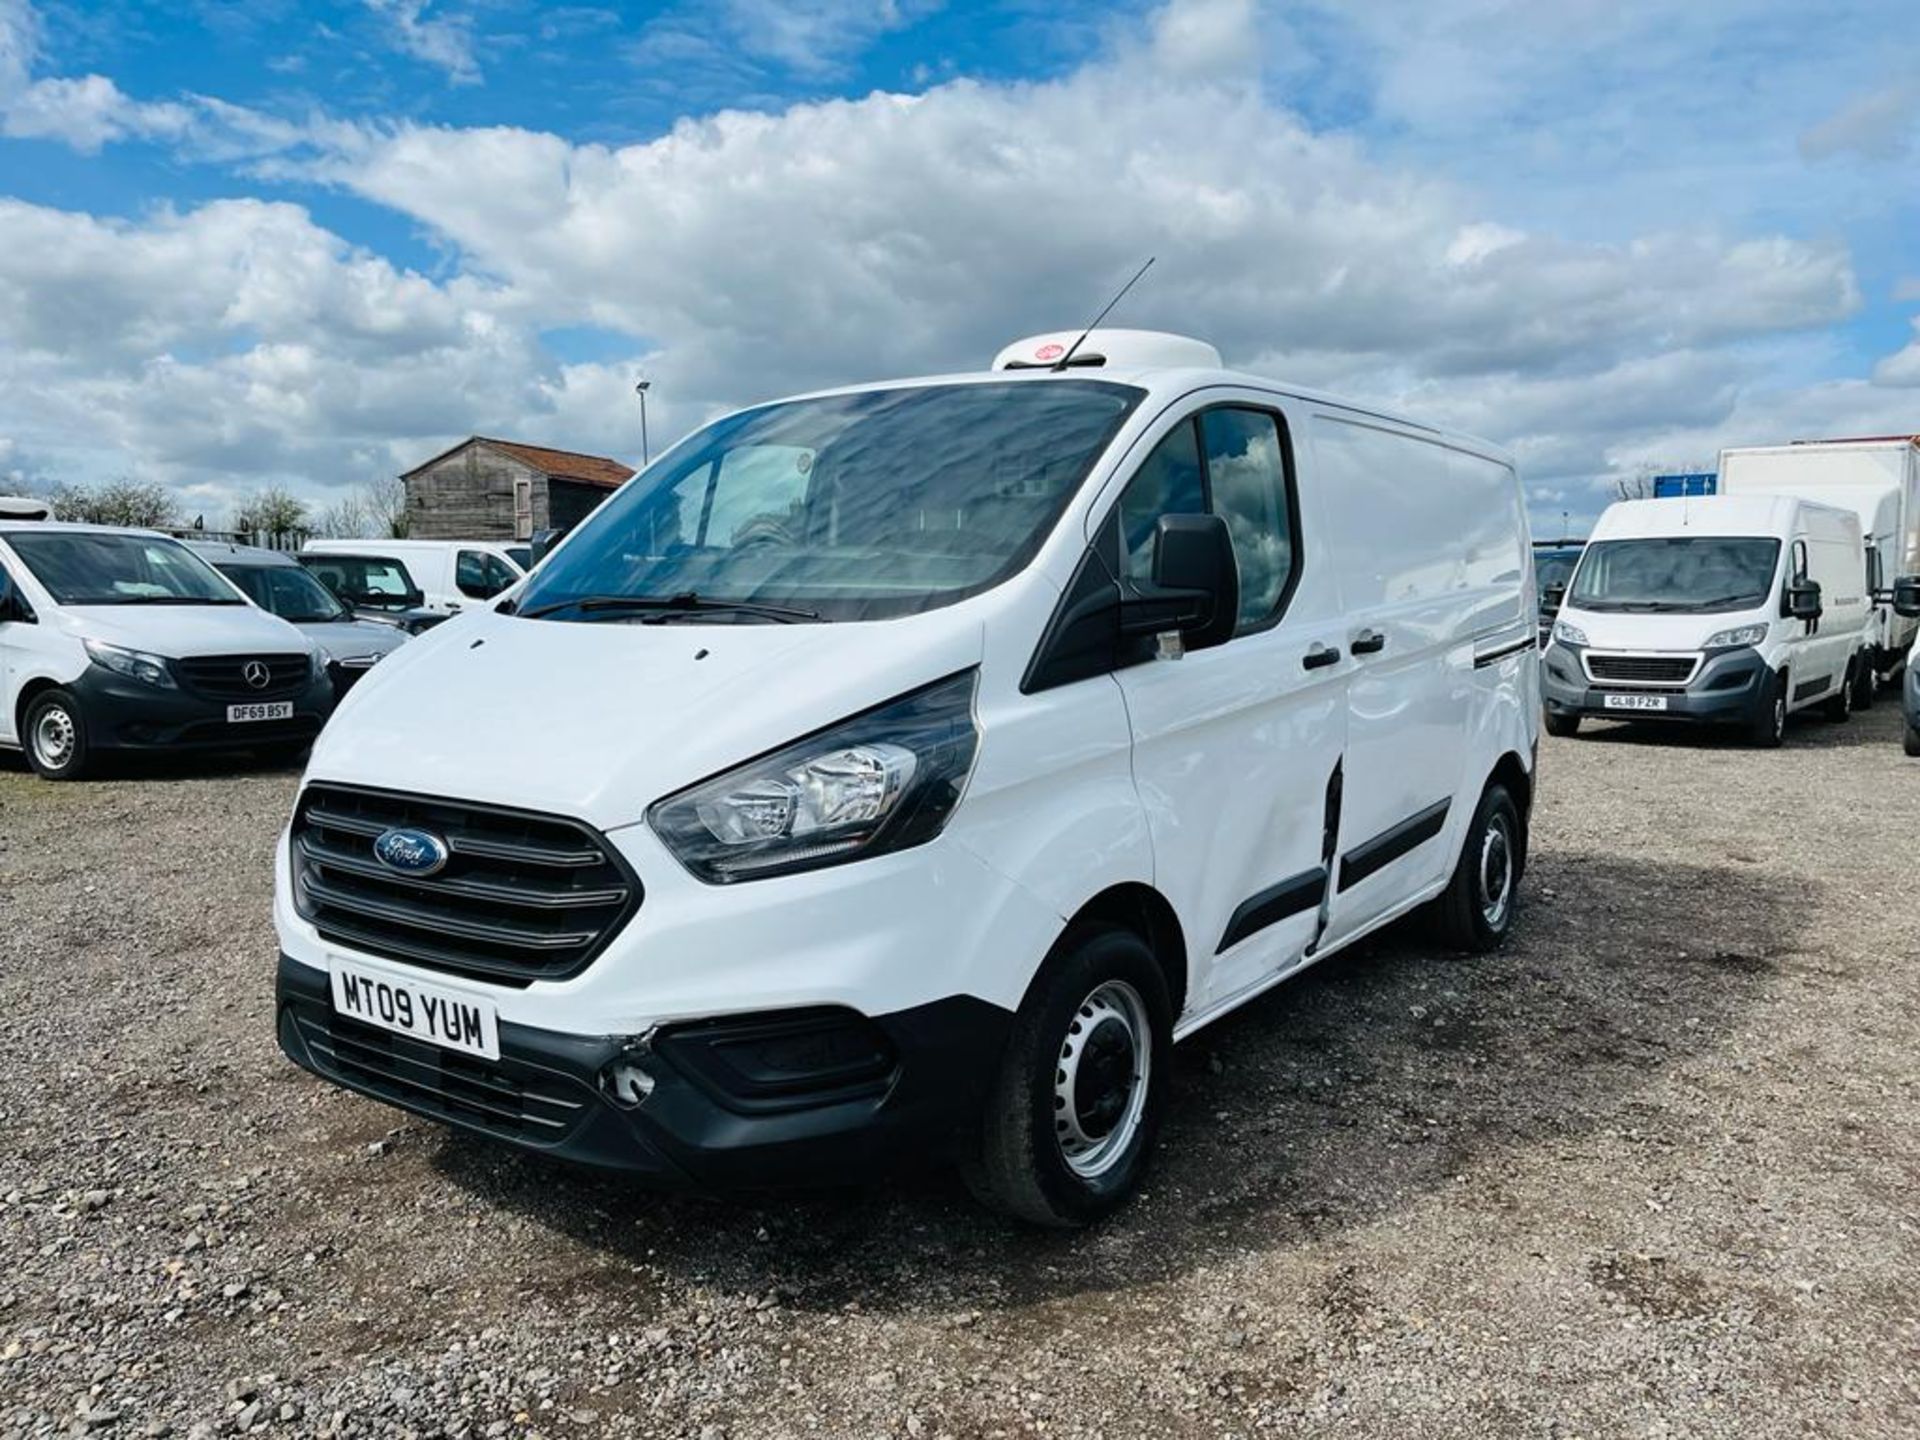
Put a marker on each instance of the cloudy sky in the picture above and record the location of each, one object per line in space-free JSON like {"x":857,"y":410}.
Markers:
{"x":248,"y":241}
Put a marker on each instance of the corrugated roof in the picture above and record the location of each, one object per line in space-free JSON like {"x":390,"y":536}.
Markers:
{"x":595,"y":470}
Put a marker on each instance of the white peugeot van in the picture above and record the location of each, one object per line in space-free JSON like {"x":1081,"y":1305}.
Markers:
{"x":451,"y":575}
{"x":900,"y":770}
{"x":1727,"y":609}
{"x":116,"y":639}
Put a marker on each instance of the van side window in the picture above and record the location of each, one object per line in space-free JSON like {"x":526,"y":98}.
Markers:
{"x":1167,"y":483}
{"x":1230,"y":462}
{"x":1247,"y":475}
{"x":481,"y":575}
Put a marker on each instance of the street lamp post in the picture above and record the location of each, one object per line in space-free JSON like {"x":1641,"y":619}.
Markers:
{"x":640,"y":389}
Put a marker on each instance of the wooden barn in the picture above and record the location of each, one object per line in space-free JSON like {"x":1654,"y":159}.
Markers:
{"x":488,"y":489}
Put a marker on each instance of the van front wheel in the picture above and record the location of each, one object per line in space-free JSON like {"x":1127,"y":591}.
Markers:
{"x":56,"y":736}
{"x":1562,"y":725}
{"x":1475,"y":911}
{"x":1072,"y":1116}
{"x":1769,"y":724}
{"x":1840,"y":707}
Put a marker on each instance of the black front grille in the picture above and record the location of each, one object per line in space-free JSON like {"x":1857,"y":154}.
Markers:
{"x":234,"y":677}
{"x":1642,"y":669}
{"x":507,"y":1098}
{"x":522,"y":897}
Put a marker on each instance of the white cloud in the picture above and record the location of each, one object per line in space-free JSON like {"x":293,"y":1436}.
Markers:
{"x":442,"y":41}
{"x":1878,"y":126}
{"x":753,"y":254}
{"x":1902,"y":368}
{"x":85,"y":113}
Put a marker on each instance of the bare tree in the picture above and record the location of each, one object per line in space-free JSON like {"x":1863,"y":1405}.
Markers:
{"x":346,"y":519}
{"x":1637,"y":486}
{"x":386,"y":502}
{"x":125,"y":501}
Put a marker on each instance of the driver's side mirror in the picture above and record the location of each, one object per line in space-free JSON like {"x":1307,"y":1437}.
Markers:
{"x":1553,"y":597}
{"x":1196,"y":584}
{"x":1803,"y":600}
{"x":542,"y":542}
{"x":1906,"y":596}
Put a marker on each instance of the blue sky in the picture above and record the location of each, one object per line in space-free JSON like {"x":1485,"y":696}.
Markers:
{"x":251,"y":241}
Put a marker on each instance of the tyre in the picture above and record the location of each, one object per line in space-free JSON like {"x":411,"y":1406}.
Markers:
{"x":1562,"y":725}
{"x":1475,"y":911}
{"x":1769,"y":726}
{"x":1865,"y":683}
{"x":1839,"y":707}
{"x":1913,"y":740}
{"x":1071,"y":1119}
{"x":55,"y":737}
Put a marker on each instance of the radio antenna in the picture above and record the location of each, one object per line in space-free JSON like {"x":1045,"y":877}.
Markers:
{"x":1074,"y":348}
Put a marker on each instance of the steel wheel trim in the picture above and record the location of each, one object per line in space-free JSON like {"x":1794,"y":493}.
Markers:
{"x":1100,"y":1079}
{"x":1496,"y":872}
{"x":54,"y":737}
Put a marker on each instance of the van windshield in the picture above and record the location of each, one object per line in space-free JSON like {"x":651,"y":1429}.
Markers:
{"x":1700,"y":573}
{"x":843,"y":507}
{"x":102,"y":568}
{"x":287,"y":591}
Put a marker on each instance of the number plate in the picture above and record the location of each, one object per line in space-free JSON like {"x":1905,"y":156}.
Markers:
{"x":275,"y":710}
{"x":1635,"y":702}
{"x":406,"y":1007}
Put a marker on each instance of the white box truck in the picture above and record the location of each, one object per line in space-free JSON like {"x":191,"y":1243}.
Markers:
{"x":1878,"y":478}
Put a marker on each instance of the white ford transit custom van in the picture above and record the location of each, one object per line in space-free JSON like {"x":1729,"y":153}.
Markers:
{"x":116,"y":640}
{"x":900,"y":770}
{"x":1727,"y":609}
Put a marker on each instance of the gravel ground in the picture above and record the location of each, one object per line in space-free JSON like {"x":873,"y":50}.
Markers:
{"x":1651,"y":1170}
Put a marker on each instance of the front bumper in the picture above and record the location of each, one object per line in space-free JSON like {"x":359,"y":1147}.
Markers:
{"x":1911,"y":689}
{"x":1730,"y":688}
{"x":123,"y":714}
{"x":910,"y":1091}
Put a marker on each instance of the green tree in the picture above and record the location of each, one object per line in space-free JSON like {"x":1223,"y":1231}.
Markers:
{"x":273,"y":511}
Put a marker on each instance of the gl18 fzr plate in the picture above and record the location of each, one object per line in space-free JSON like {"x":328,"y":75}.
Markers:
{"x":1635,"y":702}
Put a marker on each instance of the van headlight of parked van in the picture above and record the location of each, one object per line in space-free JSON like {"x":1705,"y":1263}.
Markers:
{"x":1739,"y":635}
{"x":1568,"y":634}
{"x":134,"y":664}
{"x":882,"y":781}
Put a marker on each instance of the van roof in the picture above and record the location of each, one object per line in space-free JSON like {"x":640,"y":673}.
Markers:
{"x":1705,"y":515}
{"x":11,"y":525}
{"x":225,"y":551}
{"x":1162,"y":382}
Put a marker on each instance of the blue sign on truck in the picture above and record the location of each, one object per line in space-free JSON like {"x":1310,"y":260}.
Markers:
{"x":1665,"y":486}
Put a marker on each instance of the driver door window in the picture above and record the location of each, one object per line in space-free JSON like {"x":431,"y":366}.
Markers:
{"x":481,"y":575}
{"x":1229,"y":461}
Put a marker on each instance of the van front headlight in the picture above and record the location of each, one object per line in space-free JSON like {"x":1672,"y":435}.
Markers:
{"x":1739,"y":635}
{"x":134,"y":664}
{"x":882,"y":781}
{"x":1568,"y":634}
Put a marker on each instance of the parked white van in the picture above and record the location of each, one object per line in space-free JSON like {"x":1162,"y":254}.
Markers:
{"x":115,"y":640}
{"x":451,"y":575}
{"x":900,"y":770}
{"x":1724,"y":609}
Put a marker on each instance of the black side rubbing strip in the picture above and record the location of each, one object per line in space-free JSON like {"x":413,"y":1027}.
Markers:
{"x":1493,"y":657}
{"x":1274,"y":904}
{"x":1388,"y":846}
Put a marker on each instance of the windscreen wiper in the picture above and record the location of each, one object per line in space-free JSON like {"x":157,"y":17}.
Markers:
{"x":667,"y":605}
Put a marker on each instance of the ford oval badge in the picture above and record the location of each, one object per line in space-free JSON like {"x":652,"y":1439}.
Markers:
{"x":411,"y":852}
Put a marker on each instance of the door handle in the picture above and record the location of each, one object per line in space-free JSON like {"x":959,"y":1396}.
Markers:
{"x":1320,"y":655}
{"x":1369,"y":642}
